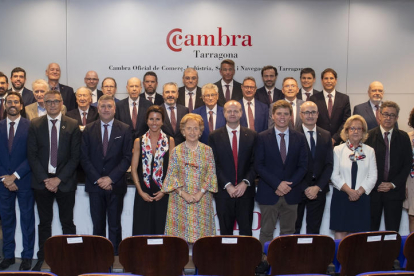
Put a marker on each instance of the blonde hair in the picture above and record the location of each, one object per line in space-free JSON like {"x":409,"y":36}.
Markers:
{"x":192,"y":116}
{"x":347,"y":125}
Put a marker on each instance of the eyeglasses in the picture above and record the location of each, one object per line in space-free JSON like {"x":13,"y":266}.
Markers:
{"x":290,"y":86}
{"x":190,"y":78}
{"x":91,"y":79}
{"x":210,"y":95}
{"x":355,"y":129}
{"x":55,"y":102}
{"x":388,"y":115}
{"x":108,"y":87}
{"x":307,"y":113}
{"x":249,"y":87}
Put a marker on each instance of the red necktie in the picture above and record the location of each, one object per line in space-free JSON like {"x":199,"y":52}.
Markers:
{"x":234,"y":147}
{"x":250,"y":114}
{"x":227,"y":93}
{"x":173,"y":120}
{"x":292,"y":118}
{"x":282,"y":147}
{"x":53,"y":145}
{"x":269,"y":93}
{"x":105,"y":140}
{"x":377,"y":114}
{"x":11,"y":136}
{"x":387,"y":156}
{"x":307,"y":96}
{"x":210,"y":121}
{"x":134,"y":115}
{"x":330,"y":105}
{"x":150,"y":99}
{"x":190,"y":102}
{"x":84,"y":118}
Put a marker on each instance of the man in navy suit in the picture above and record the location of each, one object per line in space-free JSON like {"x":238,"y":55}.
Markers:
{"x":320,"y":165}
{"x":269,"y":94}
{"x":16,"y":177}
{"x":233,"y":147}
{"x":18,"y":80}
{"x":132,"y":110}
{"x":150,"y":89}
{"x":189,"y":95}
{"x":108,"y":88}
{"x":370,"y":110}
{"x":254,"y":113}
{"x":85,"y":113}
{"x":334,"y":107}
{"x":211,"y":113}
{"x":68,"y":96}
{"x":106,"y":156}
{"x":53,"y":151}
{"x":4,"y":86}
{"x":281,"y":160}
{"x":307,"y":79}
{"x":228,"y":88}
{"x":91,"y":80}
{"x":175,"y":112}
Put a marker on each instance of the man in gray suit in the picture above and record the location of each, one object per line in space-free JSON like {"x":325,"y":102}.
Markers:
{"x":290,"y":89}
{"x":371,"y":110}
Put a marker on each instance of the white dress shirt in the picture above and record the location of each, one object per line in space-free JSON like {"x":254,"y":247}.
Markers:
{"x":223,"y":85}
{"x":131,"y":105}
{"x":187,"y":96}
{"x":214,"y":115}
{"x":286,"y":137}
{"x":246,"y":109}
{"x":325,"y":94}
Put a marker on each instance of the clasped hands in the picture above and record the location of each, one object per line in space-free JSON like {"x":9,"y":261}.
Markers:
{"x":192,"y":198}
{"x":146,"y":197}
{"x":8,"y":182}
{"x":284,"y":188}
{"x":236,"y":191}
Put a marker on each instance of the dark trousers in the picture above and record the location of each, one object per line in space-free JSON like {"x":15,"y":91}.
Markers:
{"x":102,"y":204}
{"x":44,"y":200}
{"x":314,"y":213}
{"x":230,"y":210}
{"x":8,"y":219}
{"x":392,"y":214}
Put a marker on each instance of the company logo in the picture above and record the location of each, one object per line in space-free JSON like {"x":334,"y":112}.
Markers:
{"x":176,"y":40}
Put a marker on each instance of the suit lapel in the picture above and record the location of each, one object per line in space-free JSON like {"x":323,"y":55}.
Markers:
{"x":273,"y":141}
{"x":369,"y":111}
{"x":62,"y":135}
{"x":167,"y":122}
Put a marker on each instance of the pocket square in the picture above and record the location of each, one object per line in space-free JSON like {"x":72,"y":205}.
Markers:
{"x":117,"y":137}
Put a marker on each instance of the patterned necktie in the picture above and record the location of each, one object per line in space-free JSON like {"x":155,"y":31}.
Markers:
{"x":105,"y":139}
{"x":53,"y":144}
{"x":11,"y":136}
{"x":134,"y":116}
{"x":210,"y":121}
{"x":387,"y":156}
{"x":84,"y":118}
{"x":307,"y":96}
{"x":269,"y":93}
{"x":377,"y":114}
{"x":282,"y":147}
{"x":227,"y":93}
{"x":150,"y":99}
{"x":292,"y":118}
{"x":173,"y":120}
{"x":330,"y":105}
{"x":190,"y":102}
{"x":234,"y":147}
{"x":312,"y":144}
{"x":250,"y":114}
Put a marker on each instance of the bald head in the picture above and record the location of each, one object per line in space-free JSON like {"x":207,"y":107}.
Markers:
{"x":91,"y":80}
{"x":232,"y":112}
{"x":53,"y":72}
{"x":309,"y":114}
{"x":376,"y":92}
{"x":134,"y":88}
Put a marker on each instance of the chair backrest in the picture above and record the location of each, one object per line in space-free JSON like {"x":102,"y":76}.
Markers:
{"x":27,"y":273}
{"x":409,"y":252}
{"x":110,"y":274}
{"x":368,"y":251}
{"x":388,"y":273}
{"x":153,"y":255}
{"x":69,"y":255}
{"x":227,"y":255}
{"x":300,"y":254}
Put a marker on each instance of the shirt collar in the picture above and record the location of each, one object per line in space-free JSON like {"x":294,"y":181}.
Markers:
{"x":223,"y":83}
{"x":109,"y":123}
{"x":15,"y":121}
{"x":246,"y":101}
{"x":230,"y":130}
{"x":188,"y":91}
{"x":214,"y":109}
{"x":131,"y":102}
{"x":305,"y":129}
{"x":58,"y":117}
{"x":325,"y":94}
{"x":81,"y":111}
{"x":383,"y":131}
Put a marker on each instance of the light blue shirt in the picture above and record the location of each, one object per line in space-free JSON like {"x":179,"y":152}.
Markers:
{"x":278,"y":138}
{"x":109,"y":129}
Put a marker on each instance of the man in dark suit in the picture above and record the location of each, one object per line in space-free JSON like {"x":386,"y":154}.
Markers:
{"x":233,"y":147}
{"x":394,"y":159}
{"x":190,"y":94}
{"x":254,"y":113}
{"x":109,"y":87}
{"x":334,"y":107}
{"x":281,"y":160}
{"x":16,"y":177}
{"x":174,"y":111}
{"x":91,"y":80}
{"x":68,"y":96}
{"x":150,"y":89}
{"x":290,"y":90}
{"x":228,"y":88}
{"x":307,"y":79}
{"x":215,"y":118}
{"x":53,"y":151}
{"x":269,"y":94}
{"x":320,"y":165}
{"x":106,"y":156}
{"x":4,"y":86}
{"x":132,"y":110}
{"x":18,"y":80}
{"x":85,"y":113}
{"x":370,"y":110}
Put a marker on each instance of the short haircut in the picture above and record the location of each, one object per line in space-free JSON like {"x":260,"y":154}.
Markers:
{"x":227,"y":61}
{"x":190,"y":69}
{"x":390,"y":104}
{"x":347,"y":125}
{"x":209,"y":86}
{"x":17,"y":70}
{"x":53,"y":92}
{"x":4,"y":76}
{"x":269,"y":67}
{"x":151,"y":73}
{"x":411,"y":119}
{"x":282,"y":104}
{"x":109,"y":78}
{"x":232,"y":102}
{"x":289,"y":78}
{"x":84,"y":87}
{"x":307,"y":70}
{"x":12,"y":93}
{"x":249,"y":78}
{"x":156,"y":109}
{"x":192,"y":116}
{"x":329,"y":70}
{"x":40,"y":82}
{"x":106,"y":98}
{"x":170,"y":83}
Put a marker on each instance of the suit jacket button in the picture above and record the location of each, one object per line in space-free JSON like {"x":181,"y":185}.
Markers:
{"x":103,"y":169}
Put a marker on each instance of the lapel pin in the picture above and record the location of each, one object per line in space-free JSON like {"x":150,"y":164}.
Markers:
{"x":63,"y":127}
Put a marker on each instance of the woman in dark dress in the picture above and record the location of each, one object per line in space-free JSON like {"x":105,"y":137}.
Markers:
{"x":148,"y":169}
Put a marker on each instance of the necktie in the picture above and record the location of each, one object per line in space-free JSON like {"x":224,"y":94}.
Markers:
{"x":234,"y":147}
{"x":250,"y":114}
{"x":377,"y":114}
{"x":150,"y":99}
{"x":11,"y":136}
{"x":307,"y":96}
{"x":1,"y":109}
{"x":84,"y":118}
{"x":210,"y":121}
{"x":134,"y":115}
{"x":312,"y":144}
{"x":330,"y":105}
{"x":387,"y":156}
{"x":105,"y":140}
{"x":282,"y":147}
{"x":269,"y":93}
{"x":190,"y":102}
{"x":227,"y":93}
{"x":173,"y":120}
{"x":292,"y":118}
{"x":53,"y":144}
